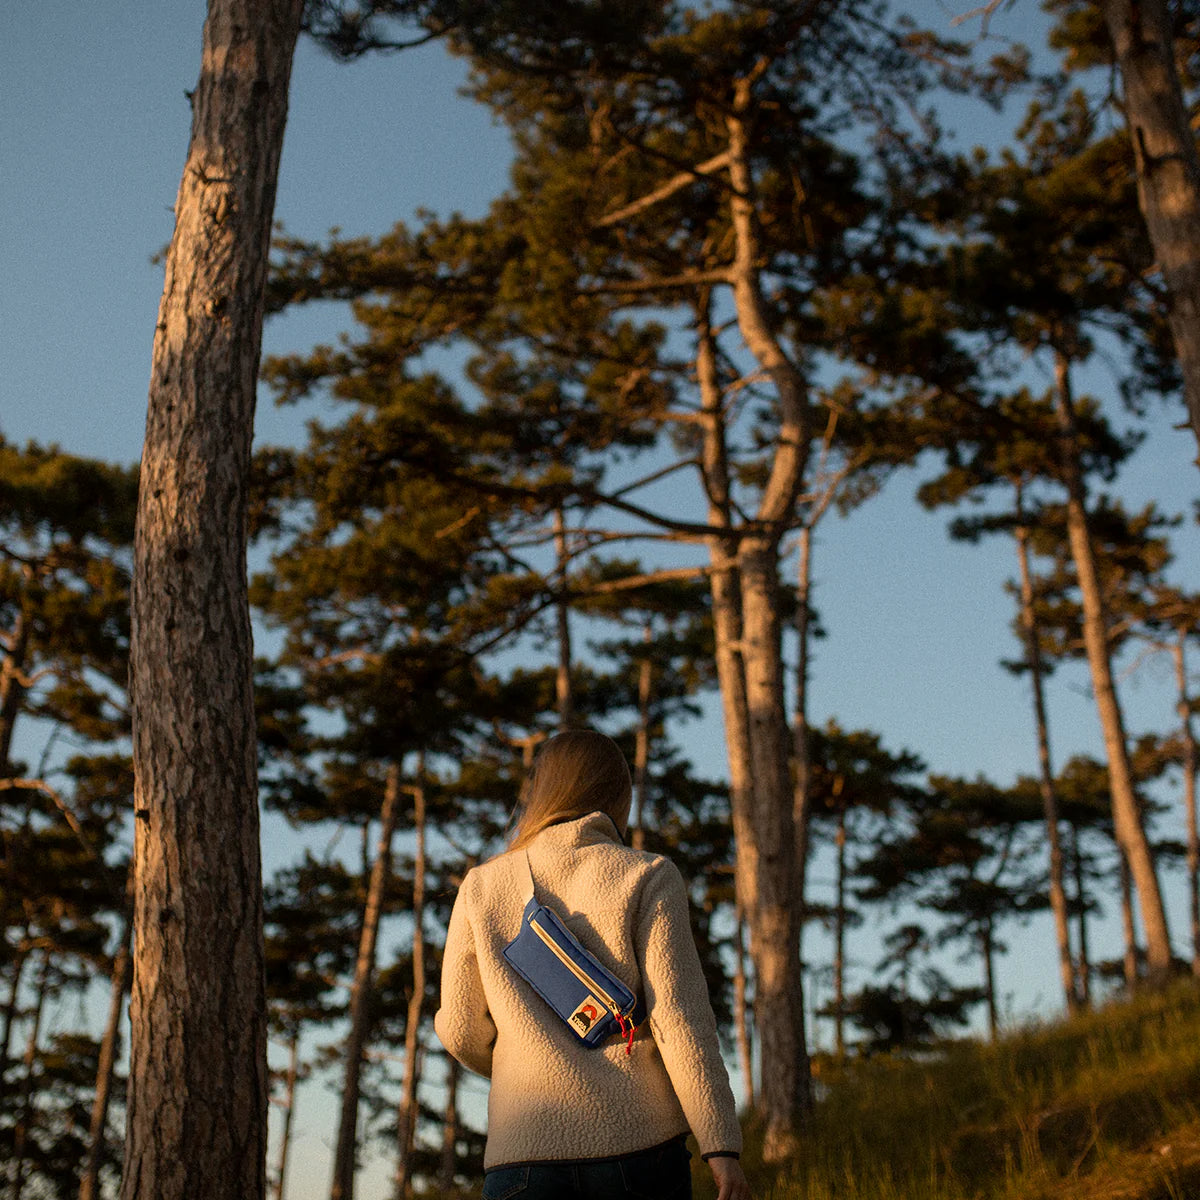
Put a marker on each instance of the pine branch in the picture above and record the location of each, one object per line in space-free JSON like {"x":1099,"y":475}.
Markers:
{"x":631,"y":582}
{"x":40,"y":785}
{"x":667,"y":189}
{"x":667,"y":283}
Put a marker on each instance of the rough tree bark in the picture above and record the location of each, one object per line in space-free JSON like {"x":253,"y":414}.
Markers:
{"x":1168,"y":168}
{"x":1127,"y":820}
{"x":1033,"y":659}
{"x":197,"y":1113}
{"x":342,"y":1187}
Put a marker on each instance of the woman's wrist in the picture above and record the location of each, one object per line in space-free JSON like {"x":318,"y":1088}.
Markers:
{"x":720,"y":1154}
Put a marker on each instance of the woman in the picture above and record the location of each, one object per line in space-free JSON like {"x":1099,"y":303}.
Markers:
{"x":565,"y":1120}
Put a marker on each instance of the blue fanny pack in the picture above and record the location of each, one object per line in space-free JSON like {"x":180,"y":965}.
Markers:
{"x":590,"y":999}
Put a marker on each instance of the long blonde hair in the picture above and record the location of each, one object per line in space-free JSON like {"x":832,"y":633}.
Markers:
{"x":575,"y":773}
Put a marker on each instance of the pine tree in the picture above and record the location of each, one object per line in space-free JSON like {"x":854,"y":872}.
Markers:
{"x":198,"y":1076}
{"x":686,"y":148}
{"x":1046,"y":261}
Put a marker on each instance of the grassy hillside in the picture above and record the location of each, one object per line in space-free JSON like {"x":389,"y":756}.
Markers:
{"x":1106,"y":1107}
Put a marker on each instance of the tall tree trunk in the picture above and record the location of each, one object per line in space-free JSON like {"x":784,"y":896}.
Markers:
{"x":342,"y":1187}
{"x":779,"y":993}
{"x":289,"y":1112}
{"x":1127,"y":820}
{"x":24,"y":1108}
{"x":1184,"y":708}
{"x":89,"y":1184}
{"x":839,"y":932}
{"x":1081,"y":902}
{"x":1033,"y":658}
{"x":1128,"y":924}
{"x":407,"y":1115}
{"x":1168,"y":168}
{"x":801,"y":800}
{"x":196,"y":1122}
{"x":12,"y":1005}
{"x":562,"y":611}
{"x":741,"y":1014}
{"x":725,"y":589}
{"x":641,"y":753}
{"x":987,"y":949}
{"x":12,"y":687}
{"x":450,"y":1128}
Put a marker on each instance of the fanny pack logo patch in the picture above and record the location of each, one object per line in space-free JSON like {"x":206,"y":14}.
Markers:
{"x":586,"y":1015}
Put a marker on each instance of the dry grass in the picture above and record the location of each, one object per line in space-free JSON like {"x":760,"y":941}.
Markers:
{"x":1105,"y":1107}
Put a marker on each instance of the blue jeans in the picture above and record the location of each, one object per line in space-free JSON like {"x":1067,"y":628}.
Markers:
{"x":661,"y":1173}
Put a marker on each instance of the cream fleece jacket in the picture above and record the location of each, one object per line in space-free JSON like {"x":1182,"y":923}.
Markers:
{"x":551,"y":1097}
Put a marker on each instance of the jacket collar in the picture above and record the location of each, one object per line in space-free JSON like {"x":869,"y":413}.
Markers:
{"x":592,"y":830}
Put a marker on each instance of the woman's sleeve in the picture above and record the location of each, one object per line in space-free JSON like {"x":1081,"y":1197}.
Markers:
{"x":463,"y":1022}
{"x":681,"y":1017}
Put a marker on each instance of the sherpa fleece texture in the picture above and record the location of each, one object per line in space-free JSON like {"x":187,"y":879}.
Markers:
{"x":551,"y":1097}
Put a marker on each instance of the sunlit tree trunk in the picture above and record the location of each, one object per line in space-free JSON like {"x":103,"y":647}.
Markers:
{"x":779,"y":994}
{"x":1033,"y":658}
{"x":725,"y":590}
{"x":407,"y":1116}
{"x":196,"y":1119}
{"x":1168,"y":168}
{"x":344,"y":1163}
{"x":89,"y":1183}
{"x":1127,"y":820}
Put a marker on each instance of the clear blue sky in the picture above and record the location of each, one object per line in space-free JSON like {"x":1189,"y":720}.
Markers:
{"x":93,"y":131}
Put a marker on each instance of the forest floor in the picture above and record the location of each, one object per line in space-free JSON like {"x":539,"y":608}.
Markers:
{"x":1102,"y":1107}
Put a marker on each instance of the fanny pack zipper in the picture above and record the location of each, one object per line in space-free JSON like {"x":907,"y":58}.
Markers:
{"x":580,"y":973}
